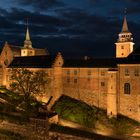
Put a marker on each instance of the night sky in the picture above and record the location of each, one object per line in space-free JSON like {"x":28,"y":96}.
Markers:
{"x":73,"y":27}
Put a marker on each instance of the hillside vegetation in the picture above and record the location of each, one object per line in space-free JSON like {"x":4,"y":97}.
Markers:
{"x":79,"y":112}
{"x":75,"y":111}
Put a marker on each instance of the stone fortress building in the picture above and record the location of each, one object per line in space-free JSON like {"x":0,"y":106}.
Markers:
{"x":111,"y":84}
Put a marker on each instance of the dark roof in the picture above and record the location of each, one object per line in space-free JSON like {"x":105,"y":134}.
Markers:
{"x":45,"y":61}
{"x":129,"y":61}
{"x":101,"y":63}
{"x":43,"y":51}
{"x":38,"y":51}
{"x":16,"y":50}
{"x":133,"y":58}
{"x":135,"y":54}
{"x":97,"y":63}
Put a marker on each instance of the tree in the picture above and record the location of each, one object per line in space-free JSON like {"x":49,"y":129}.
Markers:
{"x":28,"y":84}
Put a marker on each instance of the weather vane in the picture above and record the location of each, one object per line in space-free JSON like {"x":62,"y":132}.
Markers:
{"x":27,"y":22}
{"x":125,"y":11}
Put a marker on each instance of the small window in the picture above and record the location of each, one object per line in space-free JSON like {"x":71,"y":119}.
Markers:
{"x":75,"y":80}
{"x":122,"y":53}
{"x":88,"y":79}
{"x":68,"y":72}
{"x":126,"y":88}
{"x":5,"y":52}
{"x":122,"y":47}
{"x":75,"y":72}
{"x":136,"y":72}
{"x":68,"y":80}
{"x":102,"y":73}
{"x":89,"y":72}
{"x":30,"y":52}
{"x":102,"y":84}
{"x":126,"y":72}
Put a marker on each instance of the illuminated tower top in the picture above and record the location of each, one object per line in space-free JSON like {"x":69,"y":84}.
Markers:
{"x":124,"y":44}
{"x":125,"y":35}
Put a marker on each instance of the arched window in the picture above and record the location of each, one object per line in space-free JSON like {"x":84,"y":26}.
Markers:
{"x":126,"y":88}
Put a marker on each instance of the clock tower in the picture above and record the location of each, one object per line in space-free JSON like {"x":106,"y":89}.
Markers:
{"x":124,"y":44}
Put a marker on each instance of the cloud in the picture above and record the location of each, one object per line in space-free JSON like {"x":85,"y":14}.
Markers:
{"x":70,"y":30}
{"x":40,"y":4}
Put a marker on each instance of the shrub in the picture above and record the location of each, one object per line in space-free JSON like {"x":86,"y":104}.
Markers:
{"x":75,"y":111}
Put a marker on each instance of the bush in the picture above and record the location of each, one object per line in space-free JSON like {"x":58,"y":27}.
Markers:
{"x":123,"y":125}
{"x":76,"y":111}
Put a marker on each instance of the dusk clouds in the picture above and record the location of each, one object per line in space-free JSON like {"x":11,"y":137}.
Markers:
{"x":76,"y":27}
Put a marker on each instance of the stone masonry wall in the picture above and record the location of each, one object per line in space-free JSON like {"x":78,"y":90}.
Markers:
{"x":129,"y":104}
{"x":86,"y":84}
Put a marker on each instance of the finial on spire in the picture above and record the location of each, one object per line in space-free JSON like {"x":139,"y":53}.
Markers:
{"x":125,"y":11}
{"x":27,"y":22}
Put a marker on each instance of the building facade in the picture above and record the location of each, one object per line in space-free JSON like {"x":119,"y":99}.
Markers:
{"x":111,"y":84}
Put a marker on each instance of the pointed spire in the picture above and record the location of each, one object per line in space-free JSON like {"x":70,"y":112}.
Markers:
{"x":27,"y":32}
{"x":125,"y":26}
{"x":27,"y":42}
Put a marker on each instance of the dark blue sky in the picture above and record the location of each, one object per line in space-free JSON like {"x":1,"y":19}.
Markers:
{"x":73,"y":27}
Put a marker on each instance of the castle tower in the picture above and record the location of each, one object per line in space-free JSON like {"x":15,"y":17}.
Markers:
{"x":27,"y":50}
{"x":124,"y":44}
{"x":57,"y":79}
{"x":112,"y":93}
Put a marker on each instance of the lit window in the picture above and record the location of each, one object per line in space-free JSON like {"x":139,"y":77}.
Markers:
{"x":68,"y":80}
{"x":88,"y":79}
{"x":102,"y":84}
{"x":5,"y":52}
{"x":102,"y":73}
{"x":89,"y":72}
{"x":75,"y":72}
{"x":126,"y":72}
{"x":68,"y":72}
{"x":75,"y":80}
{"x":136,"y":72}
{"x":126,"y":88}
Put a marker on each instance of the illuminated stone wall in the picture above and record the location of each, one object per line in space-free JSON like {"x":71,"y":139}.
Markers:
{"x":90,"y":85}
{"x":129,"y":104}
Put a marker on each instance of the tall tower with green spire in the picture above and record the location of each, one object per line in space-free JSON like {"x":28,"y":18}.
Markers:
{"x":27,"y":49}
{"x":124,"y":44}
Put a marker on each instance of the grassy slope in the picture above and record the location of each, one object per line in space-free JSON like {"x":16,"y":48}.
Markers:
{"x":76,"y":111}
{"x":81,"y":113}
